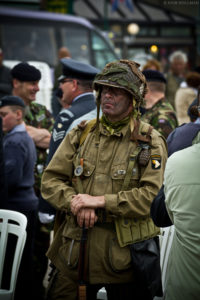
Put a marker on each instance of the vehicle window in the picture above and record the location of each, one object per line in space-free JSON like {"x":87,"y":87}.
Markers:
{"x":29,"y":42}
{"x":102,"y":53}
{"x":77,"y":41}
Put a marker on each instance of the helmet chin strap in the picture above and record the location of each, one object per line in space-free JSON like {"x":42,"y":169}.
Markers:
{"x":97,"y":121}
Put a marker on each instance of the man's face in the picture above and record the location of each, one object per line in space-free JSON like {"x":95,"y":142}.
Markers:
{"x":178,"y":67}
{"x":9,"y":117}
{"x":68,"y":88}
{"x":26,"y":90}
{"x":116,"y":103}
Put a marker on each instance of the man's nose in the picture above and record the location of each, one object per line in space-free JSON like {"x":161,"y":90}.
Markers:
{"x":108,"y":92}
{"x":37,"y":88}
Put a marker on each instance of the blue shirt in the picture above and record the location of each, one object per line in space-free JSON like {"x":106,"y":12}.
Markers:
{"x":20,"y":158}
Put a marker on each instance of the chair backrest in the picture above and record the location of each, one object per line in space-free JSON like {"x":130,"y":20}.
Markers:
{"x":11,"y":223}
{"x":166,"y":239}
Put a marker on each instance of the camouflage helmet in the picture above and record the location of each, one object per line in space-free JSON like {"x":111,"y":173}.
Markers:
{"x":123,"y":74}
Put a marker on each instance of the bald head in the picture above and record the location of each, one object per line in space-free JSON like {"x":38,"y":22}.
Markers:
{"x":63,"y":52}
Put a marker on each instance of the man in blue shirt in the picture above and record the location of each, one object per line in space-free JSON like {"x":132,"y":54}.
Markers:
{"x":77,"y":98}
{"x":20,"y":158}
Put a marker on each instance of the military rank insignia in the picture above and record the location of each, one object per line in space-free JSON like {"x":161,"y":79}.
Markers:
{"x":156,"y":161}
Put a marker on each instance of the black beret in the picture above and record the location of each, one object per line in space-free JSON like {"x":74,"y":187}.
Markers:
{"x":11,"y":100}
{"x":77,"y":70}
{"x":153,"y":75}
{"x":25,"y":72}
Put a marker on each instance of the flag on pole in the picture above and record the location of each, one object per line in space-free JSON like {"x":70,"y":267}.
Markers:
{"x":115,"y":4}
{"x":128,"y":3}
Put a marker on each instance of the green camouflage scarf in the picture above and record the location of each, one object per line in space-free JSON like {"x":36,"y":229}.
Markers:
{"x":116,"y":126}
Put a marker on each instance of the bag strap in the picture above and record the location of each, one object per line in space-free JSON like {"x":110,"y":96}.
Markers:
{"x":86,"y":127}
{"x":137,"y":137}
{"x":132,"y":161}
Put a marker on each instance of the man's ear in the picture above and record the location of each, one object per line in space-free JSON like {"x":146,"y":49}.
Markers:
{"x":75,"y":84}
{"x":19,"y":114}
{"x":15,"y":83}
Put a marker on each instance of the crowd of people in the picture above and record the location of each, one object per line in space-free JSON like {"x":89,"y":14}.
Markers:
{"x":114,"y":161}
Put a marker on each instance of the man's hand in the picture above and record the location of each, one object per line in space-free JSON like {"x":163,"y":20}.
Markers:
{"x":86,"y":217}
{"x":86,"y":201}
{"x":40,"y":136}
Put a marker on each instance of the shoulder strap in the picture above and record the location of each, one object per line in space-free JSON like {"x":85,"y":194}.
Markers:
{"x":139,"y":127}
{"x":86,"y":127}
{"x":131,"y":164}
{"x":136,"y":137}
{"x":86,"y":130}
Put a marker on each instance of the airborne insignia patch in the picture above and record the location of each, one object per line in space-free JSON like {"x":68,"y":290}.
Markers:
{"x":156,"y":161}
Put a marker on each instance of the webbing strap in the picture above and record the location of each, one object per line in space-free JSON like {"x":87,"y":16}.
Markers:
{"x":132,"y":161}
{"x":86,"y":130}
{"x":80,"y":185}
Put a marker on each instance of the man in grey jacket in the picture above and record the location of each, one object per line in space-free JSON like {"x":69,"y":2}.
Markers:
{"x":182,"y":188}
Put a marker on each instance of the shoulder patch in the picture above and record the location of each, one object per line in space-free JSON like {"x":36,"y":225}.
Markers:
{"x":155,"y":161}
{"x":161,"y":121}
{"x":67,"y":112}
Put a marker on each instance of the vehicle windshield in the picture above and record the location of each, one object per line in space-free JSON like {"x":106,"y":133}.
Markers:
{"x":30,"y":42}
{"x":102,"y":52}
{"x":40,"y":42}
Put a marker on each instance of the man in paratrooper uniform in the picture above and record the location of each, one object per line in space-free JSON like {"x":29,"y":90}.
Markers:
{"x":103,"y":178}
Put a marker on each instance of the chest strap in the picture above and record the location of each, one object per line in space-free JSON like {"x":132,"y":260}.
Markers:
{"x":131,"y":164}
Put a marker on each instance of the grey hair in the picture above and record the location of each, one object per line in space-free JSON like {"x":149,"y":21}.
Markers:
{"x":179,"y":55}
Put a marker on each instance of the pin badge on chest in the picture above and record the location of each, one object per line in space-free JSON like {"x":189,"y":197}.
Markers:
{"x":79,"y":169}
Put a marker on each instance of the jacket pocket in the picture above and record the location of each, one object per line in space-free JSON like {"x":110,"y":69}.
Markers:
{"x":85,"y":172}
{"x":88,"y":168}
{"x":69,"y":251}
{"x":119,"y":258}
{"x":118,"y":174}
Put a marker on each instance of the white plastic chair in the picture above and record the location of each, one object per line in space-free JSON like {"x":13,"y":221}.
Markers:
{"x":11,"y":223}
{"x":102,"y":295}
{"x":166,"y":239}
{"x":166,"y":244}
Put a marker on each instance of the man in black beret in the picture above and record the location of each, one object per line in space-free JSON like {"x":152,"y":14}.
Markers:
{"x":78,"y":98}
{"x":19,"y":161}
{"x":158,"y":111}
{"x":39,"y":124}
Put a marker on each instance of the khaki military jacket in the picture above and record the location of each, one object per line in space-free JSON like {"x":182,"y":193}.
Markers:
{"x":104,"y":169}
